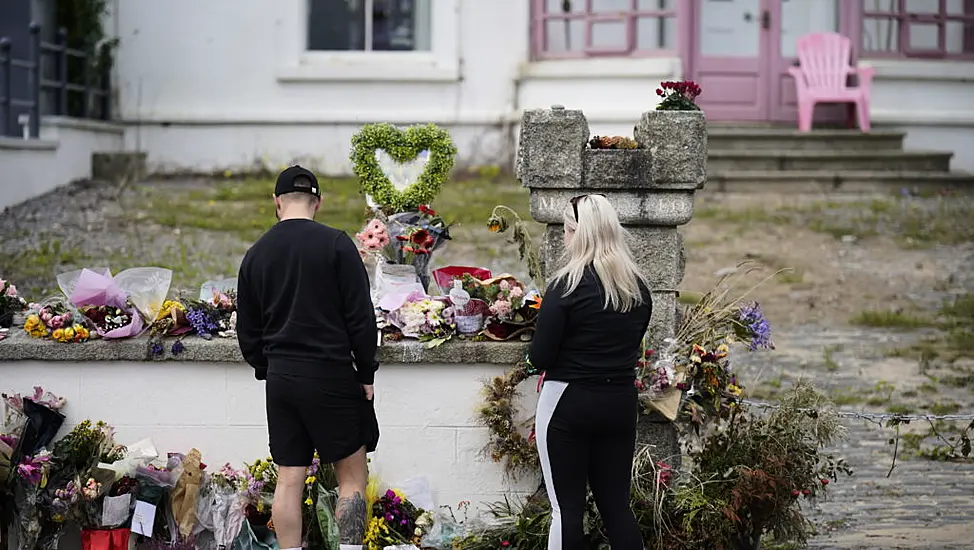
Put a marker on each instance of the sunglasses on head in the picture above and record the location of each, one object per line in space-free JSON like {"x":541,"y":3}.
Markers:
{"x":574,"y":202}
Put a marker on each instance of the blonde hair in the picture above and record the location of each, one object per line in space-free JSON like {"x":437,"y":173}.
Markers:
{"x":600,"y":241}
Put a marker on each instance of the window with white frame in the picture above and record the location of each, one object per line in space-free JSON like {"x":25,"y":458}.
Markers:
{"x":369,"y":25}
{"x":582,"y":28}
{"x":918,"y":28}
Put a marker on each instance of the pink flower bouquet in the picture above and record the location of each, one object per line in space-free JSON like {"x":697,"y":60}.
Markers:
{"x":117,"y":306}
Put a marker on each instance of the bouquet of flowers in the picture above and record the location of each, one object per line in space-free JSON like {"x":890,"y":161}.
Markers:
{"x":119,"y":306}
{"x":694,"y":374}
{"x":260,"y":481}
{"x":428,"y":319}
{"x":513,"y":310}
{"x":408,"y":238}
{"x":220,"y":506}
{"x":10,"y":303}
{"x":215,"y":315}
{"x":54,"y":320}
{"x":395,"y":521}
{"x":32,"y":480}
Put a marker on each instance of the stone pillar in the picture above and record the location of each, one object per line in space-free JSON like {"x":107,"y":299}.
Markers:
{"x":652,"y":188}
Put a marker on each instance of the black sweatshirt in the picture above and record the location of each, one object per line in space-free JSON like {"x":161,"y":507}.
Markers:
{"x":578,"y":340}
{"x":304,"y":302}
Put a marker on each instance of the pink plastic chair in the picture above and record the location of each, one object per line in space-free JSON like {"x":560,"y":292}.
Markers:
{"x":823,"y":75}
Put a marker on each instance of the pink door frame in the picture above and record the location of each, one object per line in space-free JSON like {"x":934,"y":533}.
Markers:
{"x":773,"y":96}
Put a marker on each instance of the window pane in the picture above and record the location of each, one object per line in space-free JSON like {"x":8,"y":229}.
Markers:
{"x":656,"y":5}
{"x":730,"y":29}
{"x":400,"y":25}
{"x":563,"y":35}
{"x":960,"y":37}
{"x":923,"y":6}
{"x":611,"y":6}
{"x":608,"y":35}
{"x":924,"y":36}
{"x":880,"y":6}
{"x":396,"y":25}
{"x":656,"y":33}
{"x":336,"y":25}
{"x":880,"y":35}
{"x":956,"y":7}
{"x":554,"y":7}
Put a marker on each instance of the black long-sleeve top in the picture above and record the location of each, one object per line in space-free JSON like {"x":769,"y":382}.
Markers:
{"x":577,"y":339}
{"x":304,"y":302}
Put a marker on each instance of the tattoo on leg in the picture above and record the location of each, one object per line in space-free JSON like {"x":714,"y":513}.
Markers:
{"x":350,"y":514}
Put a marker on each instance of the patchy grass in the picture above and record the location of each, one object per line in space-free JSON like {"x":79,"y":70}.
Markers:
{"x":892,"y":319}
{"x":245,"y":207}
{"x":940,"y":409}
{"x":955,"y":319}
{"x":914,"y":222}
{"x":828,"y":356}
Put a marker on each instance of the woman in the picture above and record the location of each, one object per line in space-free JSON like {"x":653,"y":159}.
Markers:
{"x":590,"y":327}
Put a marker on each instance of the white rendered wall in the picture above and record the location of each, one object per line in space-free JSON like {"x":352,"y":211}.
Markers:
{"x":426,"y":415}
{"x":33,"y":167}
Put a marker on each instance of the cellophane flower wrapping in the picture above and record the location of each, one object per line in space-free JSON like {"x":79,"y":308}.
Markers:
{"x":146,"y":288}
{"x":422,"y":316}
{"x":220,"y":509}
{"x":217,"y":286}
{"x":659,"y":379}
{"x":138,"y":292}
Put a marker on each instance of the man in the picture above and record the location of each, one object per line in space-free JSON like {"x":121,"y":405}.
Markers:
{"x":304,"y":316}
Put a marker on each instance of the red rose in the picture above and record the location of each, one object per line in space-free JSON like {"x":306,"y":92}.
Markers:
{"x":825,"y":482}
{"x":795,"y":493}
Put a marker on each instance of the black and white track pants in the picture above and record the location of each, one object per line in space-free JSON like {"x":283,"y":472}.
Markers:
{"x":586,"y":436}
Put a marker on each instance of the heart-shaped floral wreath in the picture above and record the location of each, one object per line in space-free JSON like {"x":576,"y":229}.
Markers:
{"x":402,"y":146}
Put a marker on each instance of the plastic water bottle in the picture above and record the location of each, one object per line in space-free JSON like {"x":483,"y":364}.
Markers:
{"x":459,"y":296}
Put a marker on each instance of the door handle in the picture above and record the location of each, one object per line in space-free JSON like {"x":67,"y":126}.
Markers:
{"x":765,"y":19}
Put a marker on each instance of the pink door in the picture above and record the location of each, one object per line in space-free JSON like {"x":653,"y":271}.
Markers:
{"x":731,"y":59}
{"x":741,"y":51}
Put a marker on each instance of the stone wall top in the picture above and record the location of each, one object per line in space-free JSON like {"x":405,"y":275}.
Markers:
{"x":649,"y":186}
{"x":18,"y":346}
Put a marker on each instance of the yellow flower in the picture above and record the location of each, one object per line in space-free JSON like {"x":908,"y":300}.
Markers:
{"x":734,"y":390}
{"x":308,"y":501}
{"x":68,"y":334}
{"x":310,"y":480}
{"x":34,"y":326}
{"x":167,"y":307}
{"x":81,"y":333}
{"x":58,"y":334}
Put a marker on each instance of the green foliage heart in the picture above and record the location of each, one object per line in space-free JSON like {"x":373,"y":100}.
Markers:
{"x":403,"y":146}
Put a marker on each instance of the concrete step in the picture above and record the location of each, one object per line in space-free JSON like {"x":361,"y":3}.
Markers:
{"x":777,"y":139}
{"x":728,"y":160}
{"x":844,"y":181}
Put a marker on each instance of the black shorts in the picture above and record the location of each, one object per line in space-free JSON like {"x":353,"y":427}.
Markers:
{"x":307,"y":414}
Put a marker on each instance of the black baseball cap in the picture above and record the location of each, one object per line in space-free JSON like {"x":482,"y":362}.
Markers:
{"x":297,"y":180}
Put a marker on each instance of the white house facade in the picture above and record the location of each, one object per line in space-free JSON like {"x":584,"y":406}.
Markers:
{"x":237,"y":85}
{"x":225,"y":84}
